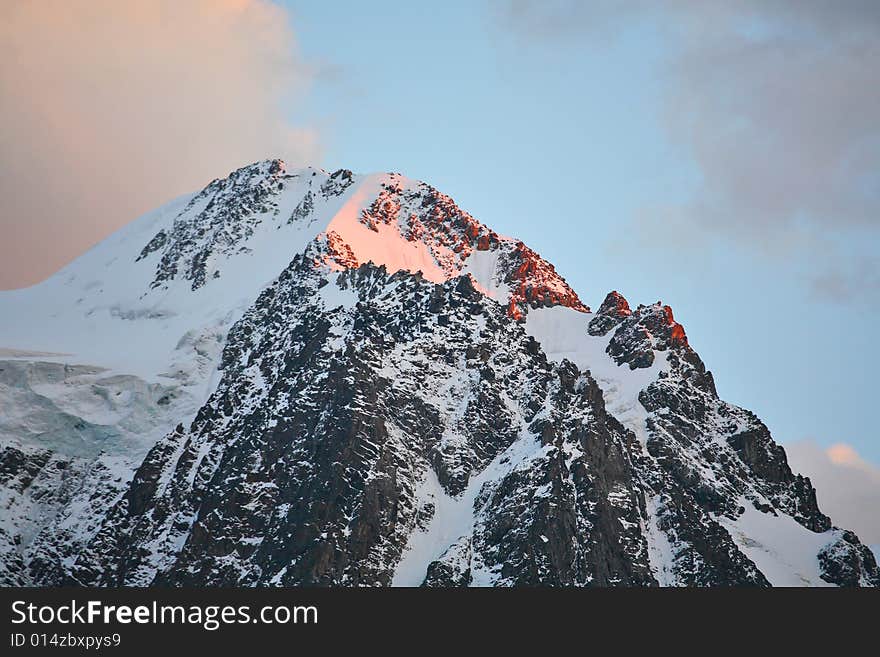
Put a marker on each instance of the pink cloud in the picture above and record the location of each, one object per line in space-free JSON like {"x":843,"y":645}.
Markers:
{"x":108,"y":109}
{"x":847,"y":486}
{"x":842,"y":454}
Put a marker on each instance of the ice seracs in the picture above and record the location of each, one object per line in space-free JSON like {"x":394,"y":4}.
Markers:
{"x":300,"y":377}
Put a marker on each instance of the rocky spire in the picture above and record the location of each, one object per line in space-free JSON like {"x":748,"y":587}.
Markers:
{"x":614,"y":309}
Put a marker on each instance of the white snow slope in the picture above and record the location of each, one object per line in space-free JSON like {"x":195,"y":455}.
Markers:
{"x":147,"y":354}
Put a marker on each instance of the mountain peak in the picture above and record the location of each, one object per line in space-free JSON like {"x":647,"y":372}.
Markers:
{"x":612,"y":311}
{"x":347,"y":379}
{"x":660,"y":320}
{"x":615,"y":305}
{"x":386,"y":219}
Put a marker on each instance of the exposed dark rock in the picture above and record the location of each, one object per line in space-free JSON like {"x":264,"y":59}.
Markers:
{"x":846,"y":562}
{"x":453,"y":569}
{"x":612,"y":311}
{"x":358,"y":407}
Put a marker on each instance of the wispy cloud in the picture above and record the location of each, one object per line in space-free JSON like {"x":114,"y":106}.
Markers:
{"x":847,"y":486}
{"x":776,"y":103}
{"x":109,"y":108}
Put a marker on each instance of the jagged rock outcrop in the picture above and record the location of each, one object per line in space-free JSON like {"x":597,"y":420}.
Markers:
{"x":613,"y":310}
{"x":846,"y":562}
{"x":52,"y":505}
{"x":384,"y":391}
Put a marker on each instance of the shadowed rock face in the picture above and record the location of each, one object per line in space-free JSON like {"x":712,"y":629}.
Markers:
{"x":369,"y":428}
{"x":303,"y":466}
{"x":846,"y":562}
{"x":341,"y":391}
{"x":613,"y":309}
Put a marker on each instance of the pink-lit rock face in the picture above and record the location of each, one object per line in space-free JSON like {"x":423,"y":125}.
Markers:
{"x":339,"y":255}
{"x":676,"y":330}
{"x":615,"y":306}
{"x":218,"y":248}
{"x":386,"y":219}
{"x":535,"y":282}
{"x":407,"y":225}
{"x":271,"y":333}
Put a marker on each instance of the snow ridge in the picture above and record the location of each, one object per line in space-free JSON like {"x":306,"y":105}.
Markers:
{"x":301,"y":377}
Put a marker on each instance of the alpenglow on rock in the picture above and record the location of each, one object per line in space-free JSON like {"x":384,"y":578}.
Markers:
{"x":302,"y":378}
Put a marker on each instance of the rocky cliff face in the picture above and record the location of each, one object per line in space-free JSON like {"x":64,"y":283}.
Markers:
{"x":411,"y":399}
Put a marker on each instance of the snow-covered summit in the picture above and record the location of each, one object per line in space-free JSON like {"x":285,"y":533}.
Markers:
{"x":199,"y":261}
{"x":303,"y":377}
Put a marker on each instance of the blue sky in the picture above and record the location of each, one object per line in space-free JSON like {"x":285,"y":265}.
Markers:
{"x":721,"y":157}
{"x":562,"y":139}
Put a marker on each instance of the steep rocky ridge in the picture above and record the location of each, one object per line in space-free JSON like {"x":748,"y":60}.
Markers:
{"x":348,"y":380}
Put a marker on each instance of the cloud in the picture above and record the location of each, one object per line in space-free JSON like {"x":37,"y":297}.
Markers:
{"x":108,"y":109}
{"x":777,"y":105}
{"x":842,"y":454}
{"x":847,"y":486}
{"x":781,"y":108}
